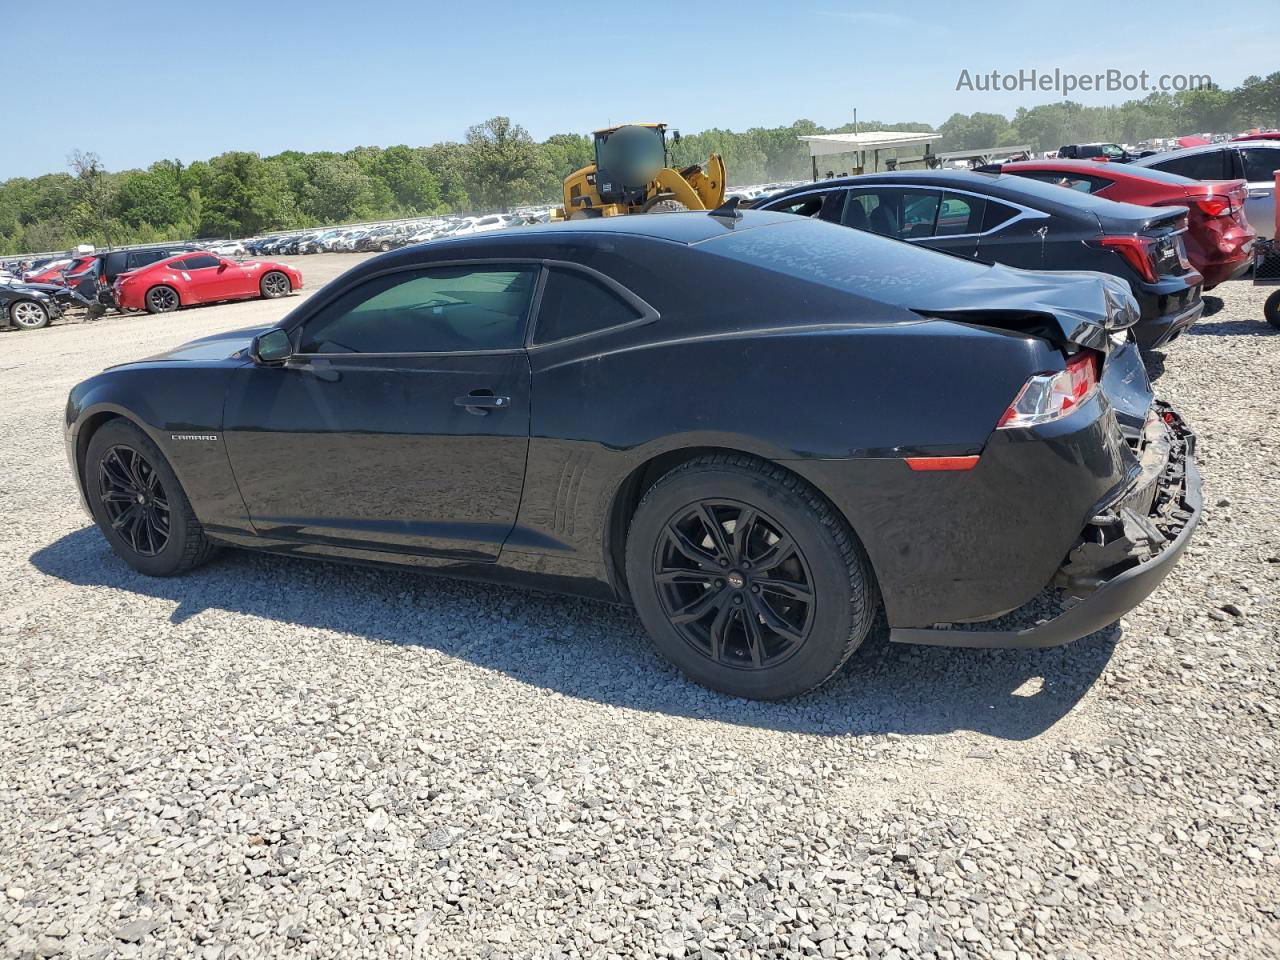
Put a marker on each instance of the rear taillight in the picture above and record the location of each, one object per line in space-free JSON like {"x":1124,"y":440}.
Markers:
{"x":1216,"y":206}
{"x":1137,"y":251}
{"x":1050,"y":396}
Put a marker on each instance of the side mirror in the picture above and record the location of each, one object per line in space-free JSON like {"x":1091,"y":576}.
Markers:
{"x":271,"y":347}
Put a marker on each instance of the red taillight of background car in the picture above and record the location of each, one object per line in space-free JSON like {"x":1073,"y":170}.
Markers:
{"x":1138,"y":251}
{"x":1050,"y":396}
{"x":1216,"y":206}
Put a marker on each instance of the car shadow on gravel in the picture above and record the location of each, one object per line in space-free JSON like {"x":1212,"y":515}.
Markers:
{"x":1215,"y":323}
{"x":598,"y":651}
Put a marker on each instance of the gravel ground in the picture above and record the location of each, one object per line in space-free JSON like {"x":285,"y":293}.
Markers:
{"x":279,"y":758}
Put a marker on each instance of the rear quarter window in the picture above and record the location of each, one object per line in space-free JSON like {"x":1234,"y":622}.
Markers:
{"x":574,"y":303}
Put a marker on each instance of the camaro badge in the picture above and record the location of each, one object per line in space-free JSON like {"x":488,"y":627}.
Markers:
{"x":193,"y":436}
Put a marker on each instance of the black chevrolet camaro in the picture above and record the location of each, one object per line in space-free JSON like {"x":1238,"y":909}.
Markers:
{"x":758,"y":429}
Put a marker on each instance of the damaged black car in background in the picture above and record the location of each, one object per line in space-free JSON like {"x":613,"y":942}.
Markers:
{"x":757,"y":429}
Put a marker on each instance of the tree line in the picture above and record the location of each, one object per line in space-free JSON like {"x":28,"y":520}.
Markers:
{"x":499,"y":165}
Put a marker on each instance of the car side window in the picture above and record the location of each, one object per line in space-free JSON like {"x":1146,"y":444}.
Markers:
{"x":1072,"y":181}
{"x":430,"y":310}
{"x":997,"y":215}
{"x":808,"y":205}
{"x":1260,"y":165}
{"x":1198,"y":166}
{"x":960,"y":214}
{"x":199,"y":262}
{"x":145,"y":257}
{"x":574,"y":303}
{"x":904,"y":214}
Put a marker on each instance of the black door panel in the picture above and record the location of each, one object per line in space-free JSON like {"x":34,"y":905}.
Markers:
{"x":377,"y":453}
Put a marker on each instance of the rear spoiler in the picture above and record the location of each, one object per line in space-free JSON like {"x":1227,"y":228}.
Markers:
{"x":1064,"y":330}
{"x":1168,"y":218}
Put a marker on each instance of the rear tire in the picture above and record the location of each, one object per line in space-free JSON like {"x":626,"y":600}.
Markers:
{"x":274,"y":285}
{"x":1271,"y":310}
{"x":139,"y":505}
{"x":162,"y":299}
{"x":29,"y":315}
{"x":766,"y":613}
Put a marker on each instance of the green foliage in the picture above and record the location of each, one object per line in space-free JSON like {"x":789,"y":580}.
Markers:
{"x":500,"y":166}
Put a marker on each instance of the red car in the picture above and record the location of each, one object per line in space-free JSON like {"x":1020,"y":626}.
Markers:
{"x":1219,"y":239}
{"x":1268,"y":135}
{"x":49,"y":273}
{"x":198,"y":277}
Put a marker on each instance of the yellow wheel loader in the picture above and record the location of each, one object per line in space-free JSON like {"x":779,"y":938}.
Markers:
{"x":631,"y":175}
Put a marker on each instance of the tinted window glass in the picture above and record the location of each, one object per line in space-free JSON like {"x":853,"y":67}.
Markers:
{"x":1072,"y":180}
{"x":997,"y":213}
{"x":199,"y":262}
{"x":893,"y":212}
{"x":959,"y":214}
{"x":141,"y":258}
{"x":1260,"y":164}
{"x":1197,"y":166}
{"x":806,"y":206}
{"x":574,"y":303}
{"x":427,"y":311}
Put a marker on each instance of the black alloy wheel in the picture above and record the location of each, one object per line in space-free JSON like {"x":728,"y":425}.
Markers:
{"x":162,"y":300}
{"x":134,"y":500}
{"x":747,"y":578}
{"x":734,"y":584}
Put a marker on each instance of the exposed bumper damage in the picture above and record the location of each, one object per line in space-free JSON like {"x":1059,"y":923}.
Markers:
{"x":1123,"y":553}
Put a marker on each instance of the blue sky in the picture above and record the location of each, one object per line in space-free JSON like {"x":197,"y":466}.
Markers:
{"x":333,"y":74}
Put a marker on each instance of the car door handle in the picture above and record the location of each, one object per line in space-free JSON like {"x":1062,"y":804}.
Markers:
{"x":480,"y":402}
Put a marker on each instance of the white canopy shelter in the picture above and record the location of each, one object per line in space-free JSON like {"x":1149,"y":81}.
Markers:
{"x":829,"y":144}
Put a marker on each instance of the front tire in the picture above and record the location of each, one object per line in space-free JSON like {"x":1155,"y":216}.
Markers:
{"x":1271,"y":310}
{"x":746,"y":578}
{"x":274,"y":285}
{"x":29,"y":315}
{"x":139,"y":505}
{"x":162,"y":300}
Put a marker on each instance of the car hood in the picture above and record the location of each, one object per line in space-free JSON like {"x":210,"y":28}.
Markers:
{"x":220,"y":346}
{"x":1085,"y":307}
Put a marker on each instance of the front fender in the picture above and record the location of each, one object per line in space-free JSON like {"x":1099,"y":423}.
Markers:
{"x":180,"y":409}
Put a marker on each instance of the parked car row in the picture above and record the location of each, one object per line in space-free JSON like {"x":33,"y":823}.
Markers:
{"x":158,"y":279}
{"x":383,"y":237}
{"x":1166,"y":235}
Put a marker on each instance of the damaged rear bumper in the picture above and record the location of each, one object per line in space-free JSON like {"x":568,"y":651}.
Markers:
{"x":1123,"y":554}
